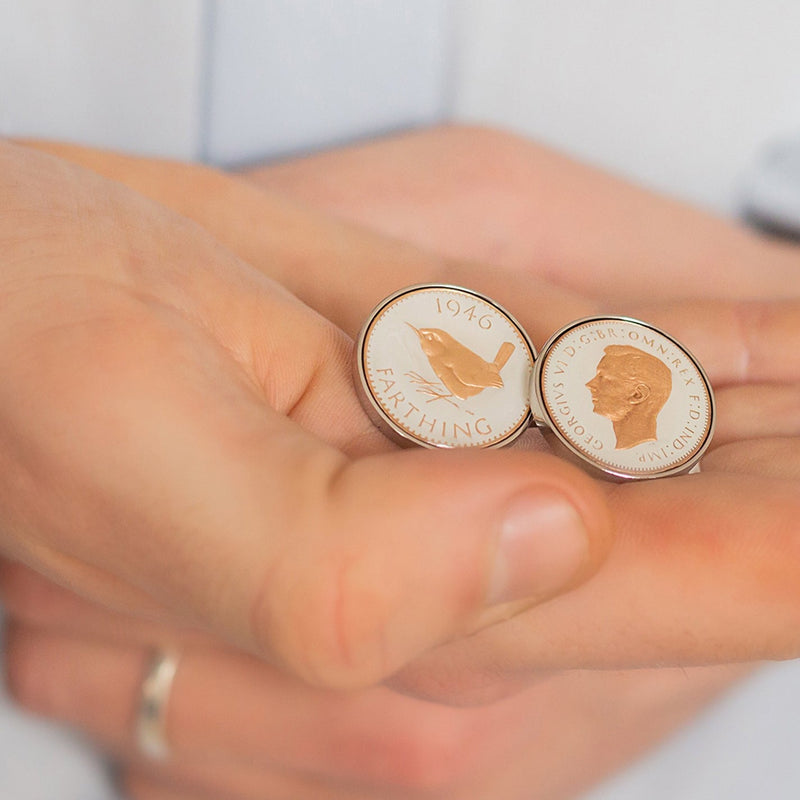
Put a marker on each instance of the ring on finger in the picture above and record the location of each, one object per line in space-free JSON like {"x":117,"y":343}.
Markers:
{"x":150,"y":729}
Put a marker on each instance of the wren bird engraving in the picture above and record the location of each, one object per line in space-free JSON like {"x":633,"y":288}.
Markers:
{"x":463,"y":372}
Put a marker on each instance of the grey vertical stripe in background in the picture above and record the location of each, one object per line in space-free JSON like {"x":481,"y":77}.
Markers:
{"x":289,"y":76}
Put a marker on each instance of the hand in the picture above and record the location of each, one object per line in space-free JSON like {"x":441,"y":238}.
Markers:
{"x":693,"y":586}
{"x":481,"y":195}
{"x":484,"y":195}
{"x":181,"y":439}
{"x":653,"y":720}
{"x":240,"y":729}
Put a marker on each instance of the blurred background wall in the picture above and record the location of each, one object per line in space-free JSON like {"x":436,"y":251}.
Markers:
{"x":678,"y":95}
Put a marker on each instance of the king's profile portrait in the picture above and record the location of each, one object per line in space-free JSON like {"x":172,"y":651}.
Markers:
{"x":630,"y":387}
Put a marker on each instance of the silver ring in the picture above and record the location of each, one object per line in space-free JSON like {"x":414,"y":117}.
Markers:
{"x":152,"y":712}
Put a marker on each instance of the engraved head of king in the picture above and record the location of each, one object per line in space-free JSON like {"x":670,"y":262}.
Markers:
{"x":630,"y":388}
{"x":462,"y":371}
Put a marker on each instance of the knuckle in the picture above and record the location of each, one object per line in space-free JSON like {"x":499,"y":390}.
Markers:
{"x":326,"y":351}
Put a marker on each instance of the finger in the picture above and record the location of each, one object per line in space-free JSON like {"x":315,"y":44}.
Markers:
{"x":566,"y":725}
{"x":241,"y":782}
{"x":478,"y":194}
{"x":376,"y":752}
{"x":95,"y":695}
{"x":736,"y":341}
{"x":228,"y":711}
{"x":148,"y":784}
{"x":223,"y":503}
{"x":756,"y":411}
{"x":704,"y":570}
{"x":29,"y":597}
{"x":203,"y":782}
{"x":32,"y":600}
{"x":340,"y":269}
{"x":777,"y":458}
{"x":141,"y":785}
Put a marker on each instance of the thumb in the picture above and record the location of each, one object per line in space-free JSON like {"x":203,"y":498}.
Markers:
{"x":387,"y":556}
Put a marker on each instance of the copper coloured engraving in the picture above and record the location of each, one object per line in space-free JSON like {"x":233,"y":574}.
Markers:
{"x":630,"y":388}
{"x":463,"y":372}
{"x":443,"y":367}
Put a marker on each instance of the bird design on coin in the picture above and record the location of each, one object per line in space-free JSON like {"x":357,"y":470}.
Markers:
{"x":424,"y":358}
{"x":461,"y":370}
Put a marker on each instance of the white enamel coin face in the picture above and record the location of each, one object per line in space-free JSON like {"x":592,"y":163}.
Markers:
{"x":625,"y":397}
{"x":441,"y":366}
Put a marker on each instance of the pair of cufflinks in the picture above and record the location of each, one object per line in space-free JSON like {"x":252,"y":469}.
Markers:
{"x":446,"y":367}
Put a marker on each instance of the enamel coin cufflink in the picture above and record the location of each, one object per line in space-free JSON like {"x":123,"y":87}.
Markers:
{"x":443,"y":366}
{"x":623,"y":398}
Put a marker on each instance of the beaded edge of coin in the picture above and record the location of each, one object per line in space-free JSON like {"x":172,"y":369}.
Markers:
{"x":392,"y":427}
{"x":580,"y":453}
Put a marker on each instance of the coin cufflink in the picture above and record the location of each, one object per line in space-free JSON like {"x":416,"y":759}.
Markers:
{"x":443,"y":366}
{"x":623,"y":398}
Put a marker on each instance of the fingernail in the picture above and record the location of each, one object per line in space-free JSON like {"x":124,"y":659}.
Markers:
{"x":543,"y":543}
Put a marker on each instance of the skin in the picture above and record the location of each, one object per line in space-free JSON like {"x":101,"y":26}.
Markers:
{"x":131,"y":337}
{"x":746,"y":451}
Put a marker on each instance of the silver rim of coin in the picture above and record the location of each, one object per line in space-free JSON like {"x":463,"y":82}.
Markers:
{"x":624,"y":398}
{"x":441,"y":366}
